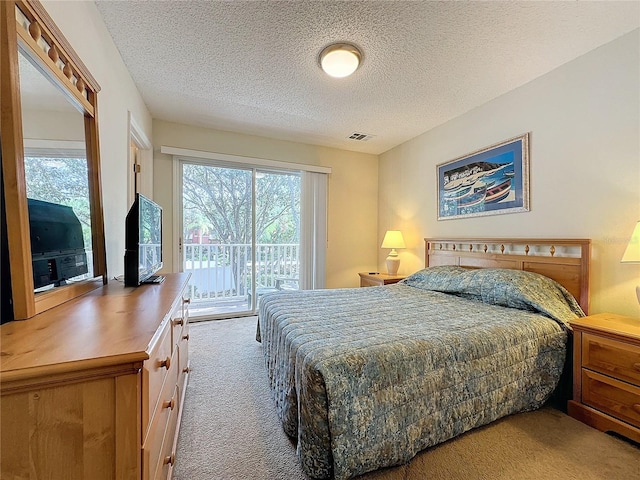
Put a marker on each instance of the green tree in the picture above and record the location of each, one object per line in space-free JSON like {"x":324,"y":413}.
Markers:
{"x":219,"y":199}
{"x":63,"y":181}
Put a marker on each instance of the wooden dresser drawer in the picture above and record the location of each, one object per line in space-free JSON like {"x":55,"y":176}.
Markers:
{"x":168,"y":453}
{"x":152,"y":449}
{"x":611,"y":357}
{"x":183,"y":358}
{"x":154,"y":373}
{"x":167,"y":400}
{"x":619,"y":399}
{"x":178,"y":323}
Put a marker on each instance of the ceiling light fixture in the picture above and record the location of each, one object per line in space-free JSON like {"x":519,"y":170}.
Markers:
{"x":340,"y":59}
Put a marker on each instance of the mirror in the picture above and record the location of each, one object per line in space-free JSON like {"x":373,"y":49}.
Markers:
{"x":50,"y":158}
{"x":56,"y":174}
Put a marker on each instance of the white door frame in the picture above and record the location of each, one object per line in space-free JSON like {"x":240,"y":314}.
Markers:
{"x":140,"y":164}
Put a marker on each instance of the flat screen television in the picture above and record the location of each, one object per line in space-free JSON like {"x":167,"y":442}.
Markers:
{"x":143,"y":242}
{"x":57,"y":244}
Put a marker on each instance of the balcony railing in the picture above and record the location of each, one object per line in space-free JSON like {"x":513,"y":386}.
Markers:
{"x":224,"y":271}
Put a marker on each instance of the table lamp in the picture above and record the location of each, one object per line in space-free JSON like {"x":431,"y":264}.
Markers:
{"x":393,"y":239}
{"x":632,"y":253}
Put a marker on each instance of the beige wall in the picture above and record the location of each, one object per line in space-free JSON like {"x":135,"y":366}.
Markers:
{"x":82,"y":25}
{"x":51,"y":125}
{"x":584,"y":120}
{"x":353,"y":184}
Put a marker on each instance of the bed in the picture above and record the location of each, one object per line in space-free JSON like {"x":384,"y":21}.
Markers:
{"x":365,"y":378}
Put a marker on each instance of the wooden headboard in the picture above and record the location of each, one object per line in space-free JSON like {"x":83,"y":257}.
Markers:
{"x":566,"y":261}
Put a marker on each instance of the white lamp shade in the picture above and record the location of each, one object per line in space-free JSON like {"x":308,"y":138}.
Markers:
{"x":632,"y":253}
{"x":393,"y":239}
{"x":340,"y":60}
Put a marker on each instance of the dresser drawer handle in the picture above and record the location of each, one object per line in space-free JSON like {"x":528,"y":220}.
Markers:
{"x":636,"y":366}
{"x":636,"y":407}
{"x":170,"y":404}
{"x":170,"y":460}
{"x":186,"y":337}
{"x":166,"y":363}
{"x":178,"y":321}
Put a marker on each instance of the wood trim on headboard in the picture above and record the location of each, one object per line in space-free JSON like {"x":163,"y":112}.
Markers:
{"x":567,"y":261}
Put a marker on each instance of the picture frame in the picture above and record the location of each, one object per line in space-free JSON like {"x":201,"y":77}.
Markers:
{"x":490,"y":181}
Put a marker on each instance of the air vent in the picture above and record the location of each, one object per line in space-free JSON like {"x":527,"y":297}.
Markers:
{"x":362,"y":137}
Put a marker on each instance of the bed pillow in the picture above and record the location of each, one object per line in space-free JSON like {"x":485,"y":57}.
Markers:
{"x":508,"y":288}
{"x":440,"y":279}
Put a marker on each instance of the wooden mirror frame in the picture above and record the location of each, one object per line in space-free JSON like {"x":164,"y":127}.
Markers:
{"x":63,"y":67}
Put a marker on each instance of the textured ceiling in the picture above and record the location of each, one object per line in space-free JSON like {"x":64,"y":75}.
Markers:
{"x":252,"y":66}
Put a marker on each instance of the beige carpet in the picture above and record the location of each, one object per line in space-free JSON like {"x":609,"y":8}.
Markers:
{"x":230,"y":430}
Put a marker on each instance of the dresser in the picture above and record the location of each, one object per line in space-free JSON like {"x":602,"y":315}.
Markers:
{"x":370,"y":279}
{"x":94,"y":388}
{"x":606,"y":373}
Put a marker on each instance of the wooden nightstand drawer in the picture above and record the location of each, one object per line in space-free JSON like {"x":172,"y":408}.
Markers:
{"x":610,"y":357}
{"x":619,"y":399}
{"x":367,"y":282}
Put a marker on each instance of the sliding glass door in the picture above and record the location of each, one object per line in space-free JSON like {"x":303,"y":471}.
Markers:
{"x":240,"y":235}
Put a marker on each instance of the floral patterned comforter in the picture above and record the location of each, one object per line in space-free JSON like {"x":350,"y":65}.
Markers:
{"x":365,"y":378}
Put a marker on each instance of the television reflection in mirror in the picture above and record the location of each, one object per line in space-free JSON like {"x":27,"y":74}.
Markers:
{"x":57,"y":244}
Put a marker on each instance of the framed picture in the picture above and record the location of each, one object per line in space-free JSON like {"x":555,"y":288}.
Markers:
{"x":490,"y":181}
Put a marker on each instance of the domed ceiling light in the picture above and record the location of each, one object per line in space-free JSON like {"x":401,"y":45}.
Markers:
{"x":340,"y":59}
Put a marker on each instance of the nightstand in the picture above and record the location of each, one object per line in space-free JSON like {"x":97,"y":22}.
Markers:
{"x":368,"y":279}
{"x":606,"y":373}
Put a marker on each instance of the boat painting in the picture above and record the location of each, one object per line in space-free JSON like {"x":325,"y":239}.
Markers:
{"x":490,"y":181}
{"x":476,"y":197}
{"x":499,"y":192}
{"x":458,"y":193}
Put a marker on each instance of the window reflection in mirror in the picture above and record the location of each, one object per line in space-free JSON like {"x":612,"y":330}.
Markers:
{"x":57,"y":182}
